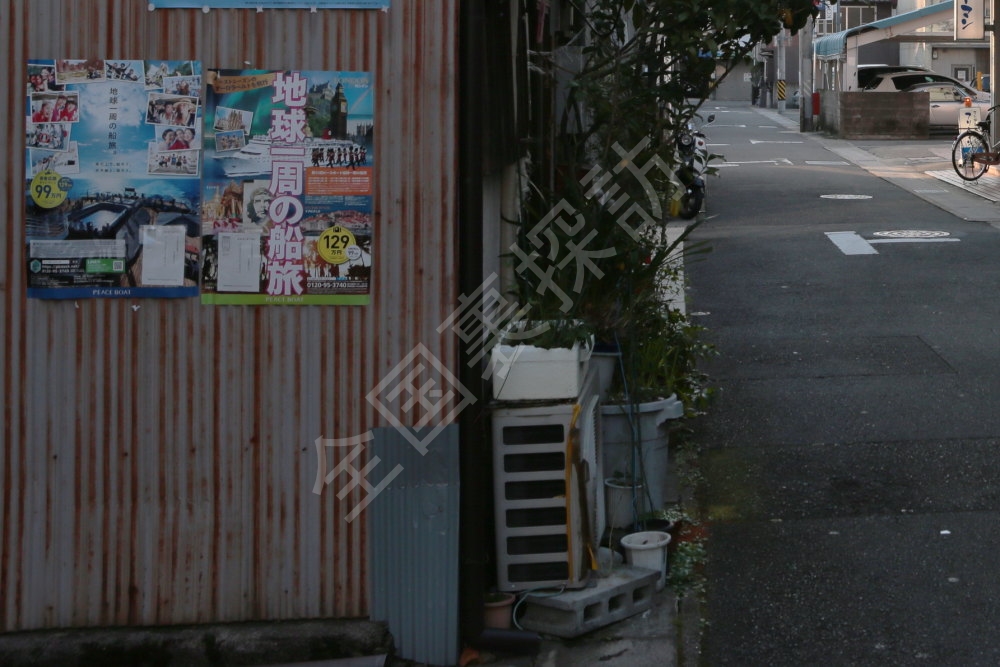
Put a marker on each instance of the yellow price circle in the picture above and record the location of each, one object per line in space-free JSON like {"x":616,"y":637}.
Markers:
{"x":45,"y":189}
{"x":333,"y":243}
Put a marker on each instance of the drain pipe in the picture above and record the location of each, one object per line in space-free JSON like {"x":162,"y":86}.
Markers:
{"x":474,"y":443}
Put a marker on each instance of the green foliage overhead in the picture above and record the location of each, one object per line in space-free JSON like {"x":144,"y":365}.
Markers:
{"x":606,"y":98}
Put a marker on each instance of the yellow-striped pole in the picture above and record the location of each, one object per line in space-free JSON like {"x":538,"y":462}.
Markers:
{"x":781,"y":89}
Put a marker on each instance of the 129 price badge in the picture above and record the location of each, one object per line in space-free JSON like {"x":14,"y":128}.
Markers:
{"x":334,"y":244}
{"x":48,"y":189}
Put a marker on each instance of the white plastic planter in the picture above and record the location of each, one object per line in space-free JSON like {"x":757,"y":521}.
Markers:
{"x":529,"y":373}
{"x":648,"y":549}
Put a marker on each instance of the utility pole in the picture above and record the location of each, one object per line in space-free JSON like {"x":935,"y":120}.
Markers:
{"x":779,"y":63}
{"x":806,"y":75}
{"x":994,"y":53}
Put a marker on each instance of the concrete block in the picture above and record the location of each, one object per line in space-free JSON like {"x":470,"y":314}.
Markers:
{"x":625,"y":592}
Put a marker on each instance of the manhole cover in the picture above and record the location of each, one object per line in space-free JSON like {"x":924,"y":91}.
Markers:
{"x":911,"y":234}
{"x":845,"y":196}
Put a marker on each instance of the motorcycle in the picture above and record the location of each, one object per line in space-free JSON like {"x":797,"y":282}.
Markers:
{"x":692,"y":162}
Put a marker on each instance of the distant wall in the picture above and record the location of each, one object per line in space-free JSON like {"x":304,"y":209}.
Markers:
{"x":735,"y":86}
{"x":868,"y":115}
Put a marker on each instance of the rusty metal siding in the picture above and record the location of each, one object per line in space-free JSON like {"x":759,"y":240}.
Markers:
{"x":156,"y":456}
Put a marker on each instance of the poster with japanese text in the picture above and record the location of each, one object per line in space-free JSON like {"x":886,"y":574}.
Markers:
{"x":273,"y":4}
{"x":113,"y":166}
{"x":287,"y":187}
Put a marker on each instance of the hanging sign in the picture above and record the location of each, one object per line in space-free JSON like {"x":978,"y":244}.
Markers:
{"x":112,"y":165}
{"x":970,"y":20}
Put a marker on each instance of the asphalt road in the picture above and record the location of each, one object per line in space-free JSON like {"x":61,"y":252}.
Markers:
{"x":852,"y":453}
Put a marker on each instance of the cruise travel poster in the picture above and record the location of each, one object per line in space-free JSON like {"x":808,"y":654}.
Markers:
{"x":112,"y":165}
{"x":287,"y":187}
{"x":274,"y":4}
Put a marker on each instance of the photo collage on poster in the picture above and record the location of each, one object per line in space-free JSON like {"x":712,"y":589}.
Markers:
{"x":113,"y":170}
{"x":287,"y":187}
{"x":154,"y":178}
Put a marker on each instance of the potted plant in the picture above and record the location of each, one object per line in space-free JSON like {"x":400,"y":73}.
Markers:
{"x":497,"y":609}
{"x":623,"y":500}
{"x":659,"y":379}
{"x":540,"y":359}
{"x":667,"y":519}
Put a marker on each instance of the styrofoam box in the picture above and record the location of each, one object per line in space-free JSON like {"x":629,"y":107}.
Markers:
{"x":529,"y":373}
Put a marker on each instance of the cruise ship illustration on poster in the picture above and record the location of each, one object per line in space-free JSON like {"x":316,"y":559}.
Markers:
{"x":254,"y":157}
{"x":339,"y":122}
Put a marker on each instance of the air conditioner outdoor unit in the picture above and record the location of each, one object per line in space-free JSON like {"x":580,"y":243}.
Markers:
{"x":548,"y":499}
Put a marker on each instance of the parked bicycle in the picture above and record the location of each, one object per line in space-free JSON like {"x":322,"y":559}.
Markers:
{"x":975,"y":150}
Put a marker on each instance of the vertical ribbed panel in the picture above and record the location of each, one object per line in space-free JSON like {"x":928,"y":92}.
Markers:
{"x":413,"y":524}
{"x":156,"y":456}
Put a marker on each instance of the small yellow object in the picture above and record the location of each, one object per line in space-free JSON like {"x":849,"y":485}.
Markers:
{"x":47,"y":189}
{"x":968,"y":101}
{"x":333,"y":243}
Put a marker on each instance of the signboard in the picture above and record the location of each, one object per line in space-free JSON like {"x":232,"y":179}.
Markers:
{"x":287,"y":187}
{"x":970,"y":20}
{"x":112,"y":164}
{"x":270,"y":4}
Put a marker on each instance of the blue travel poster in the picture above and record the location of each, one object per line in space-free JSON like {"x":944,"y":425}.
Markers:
{"x":271,"y":4}
{"x":113,"y":170}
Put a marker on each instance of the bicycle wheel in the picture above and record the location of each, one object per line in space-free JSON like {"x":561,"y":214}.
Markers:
{"x":965,"y":147}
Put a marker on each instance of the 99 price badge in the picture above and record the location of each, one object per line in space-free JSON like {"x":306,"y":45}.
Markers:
{"x":334,"y":244}
{"x":48,"y":189}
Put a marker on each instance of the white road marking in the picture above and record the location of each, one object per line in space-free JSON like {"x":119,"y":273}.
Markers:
{"x":912,"y":240}
{"x":851,"y":244}
{"x":827,"y":163}
{"x":845,"y":196}
{"x":775,"y":162}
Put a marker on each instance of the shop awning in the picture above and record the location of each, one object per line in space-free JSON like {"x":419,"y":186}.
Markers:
{"x":835,"y":45}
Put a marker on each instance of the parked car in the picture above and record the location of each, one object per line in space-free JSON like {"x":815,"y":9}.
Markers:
{"x":896,"y":81}
{"x":868,"y":72}
{"x":947,"y":99}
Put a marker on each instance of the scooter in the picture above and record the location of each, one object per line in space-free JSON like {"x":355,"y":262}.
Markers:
{"x":692,"y":162}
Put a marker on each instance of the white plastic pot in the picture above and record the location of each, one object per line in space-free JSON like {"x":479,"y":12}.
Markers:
{"x":618,"y":502}
{"x":648,"y":549}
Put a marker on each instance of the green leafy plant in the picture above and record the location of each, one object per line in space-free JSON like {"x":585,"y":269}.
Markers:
{"x":548,"y":334}
{"x":661,"y":350}
{"x":686,"y":568}
{"x":674,"y":514}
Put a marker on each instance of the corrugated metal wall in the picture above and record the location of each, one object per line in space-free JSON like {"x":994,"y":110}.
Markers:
{"x":415,"y":520}
{"x":156,"y":456}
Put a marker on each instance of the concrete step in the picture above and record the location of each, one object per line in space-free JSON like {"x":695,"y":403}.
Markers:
{"x":624,"y":592}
